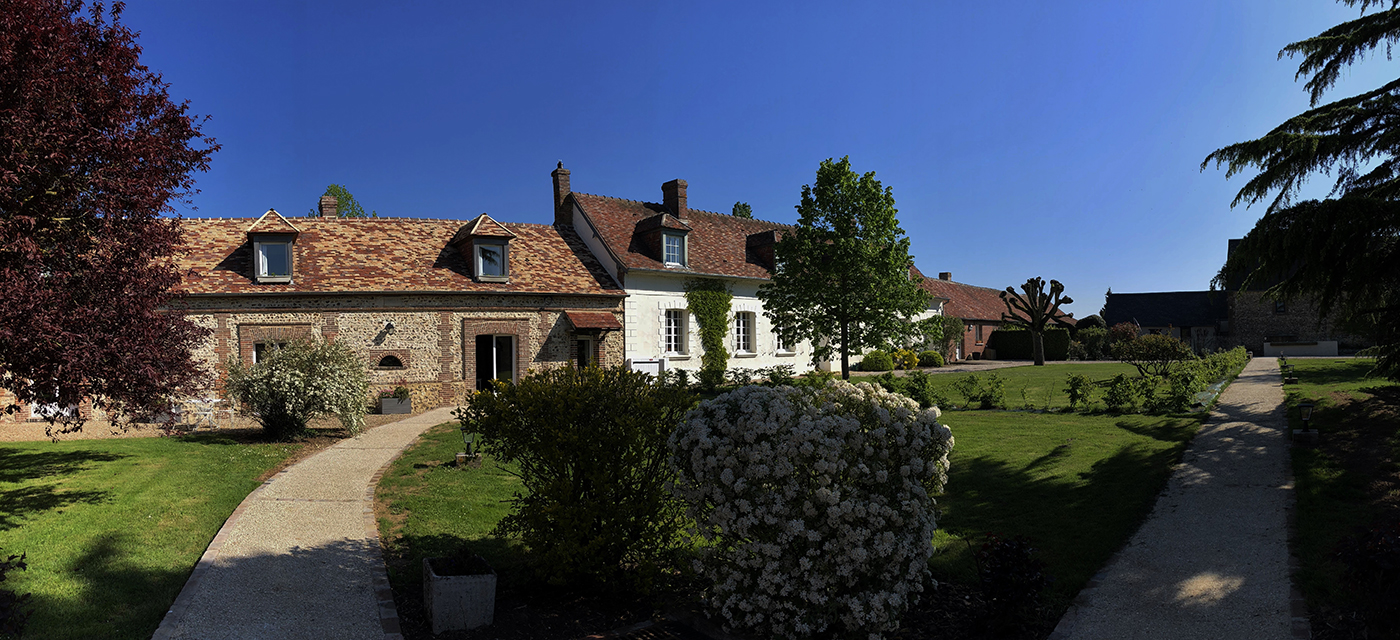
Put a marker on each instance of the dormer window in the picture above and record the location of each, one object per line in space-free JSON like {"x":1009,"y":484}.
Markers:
{"x":491,"y":261}
{"x":274,"y":258}
{"x":673,"y":247}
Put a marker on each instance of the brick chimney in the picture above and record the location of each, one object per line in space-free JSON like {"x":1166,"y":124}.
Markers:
{"x":329,"y":207}
{"x":561,"y":191}
{"x":945,"y":275}
{"x":673,"y":196}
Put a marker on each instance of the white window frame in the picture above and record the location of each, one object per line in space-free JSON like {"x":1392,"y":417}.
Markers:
{"x":268,"y":345}
{"x":260,"y":261}
{"x":779,"y":346}
{"x":504,"y":251}
{"x":680,"y":249}
{"x":674,"y":333}
{"x":744,"y":322}
{"x":585,"y":345}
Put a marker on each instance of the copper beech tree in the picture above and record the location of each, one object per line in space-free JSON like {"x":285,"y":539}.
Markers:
{"x":92,"y":152}
{"x":1034,"y":309}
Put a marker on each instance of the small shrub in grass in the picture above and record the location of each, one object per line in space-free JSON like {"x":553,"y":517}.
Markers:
{"x":1186,"y":380}
{"x":930,"y":359}
{"x":1012,"y":580}
{"x":299,"y":382}
{"x":1154,"y":355}
{"x":969,"y":387}
{"x":919,"y":386}
{"x":13,"y":607}
{"x":877,"y":361}
{"x":815,"y":503}
{"x":994,"y":392}
{"x":905,"y":359}
{"x":1077,"y":351}
{"x":740,"y":376}
{"x":1080,"y":389}
{"x":711,"y":379}
{"x":1122,"y":393}
{"x":815,"y":379}
{"x":777,"y":375}
{"x":590,"y":446}
{"x":1372,"y":559}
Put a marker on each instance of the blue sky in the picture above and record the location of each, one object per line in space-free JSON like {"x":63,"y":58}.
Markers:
{"x":1021,"y":138}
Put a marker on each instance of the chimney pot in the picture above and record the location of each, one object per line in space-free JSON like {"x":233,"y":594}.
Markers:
{"x":561,"y":192}
{"x":329,"y":207}
{"x":673,"y":196}
{"x":946,"y":275}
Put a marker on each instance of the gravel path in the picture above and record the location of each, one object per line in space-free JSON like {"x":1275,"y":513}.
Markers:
{"x":300,"y":557}
{"x":1212,"y":559}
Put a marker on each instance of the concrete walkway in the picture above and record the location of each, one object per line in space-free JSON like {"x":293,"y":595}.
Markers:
{"x":1212,"y":559}
{"x":300,"y":557}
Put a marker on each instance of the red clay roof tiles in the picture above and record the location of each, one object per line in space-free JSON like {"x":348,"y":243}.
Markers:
{"x":347,"y":255}
{"x":593,"y":320}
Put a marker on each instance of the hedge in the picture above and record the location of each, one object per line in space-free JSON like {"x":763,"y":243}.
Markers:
{"x":1017,"y":345}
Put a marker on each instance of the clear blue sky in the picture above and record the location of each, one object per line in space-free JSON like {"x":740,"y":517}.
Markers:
{"x":1021,"y":138}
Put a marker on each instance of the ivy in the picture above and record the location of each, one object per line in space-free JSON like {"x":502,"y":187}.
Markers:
{"x":709,"y":300}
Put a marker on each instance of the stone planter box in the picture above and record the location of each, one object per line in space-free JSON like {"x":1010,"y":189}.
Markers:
{"x":456,"y":602}
{"x":395,"y":405}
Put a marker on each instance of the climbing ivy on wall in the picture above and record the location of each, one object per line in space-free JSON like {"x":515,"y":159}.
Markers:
{"x":709,"y":301}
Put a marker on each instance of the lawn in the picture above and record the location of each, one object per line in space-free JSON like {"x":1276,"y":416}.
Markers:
{"x":1348,"y":480}
{"x":1077,"y":485}
{"x":112,"y":528}
{"x":1031,"y":386}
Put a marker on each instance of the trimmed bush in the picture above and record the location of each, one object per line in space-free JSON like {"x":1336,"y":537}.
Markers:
{"x":1077,"y":351}
{"x":1015,"y":344}
{"x":590,"y":445}
{"x":299,"y":382}
{"x":877,"y":361}
{"x":930,"y":359}
{"x":905,"y":359}
{"x":1153,"y":355}
{"x":1092,"y":321}
{"x":1095,"y":342}
{"x":815,"y":504}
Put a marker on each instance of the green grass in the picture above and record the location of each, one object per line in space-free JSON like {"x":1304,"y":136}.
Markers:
{"x":1359,"y":441}
{"x":112,"y":528}
{"x":1042,"y":386}
{"x":1076,"y":485}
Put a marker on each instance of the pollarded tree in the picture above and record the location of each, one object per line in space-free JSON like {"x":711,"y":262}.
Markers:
{"x":1342,"y":252}
{"x":842,"y":274}
{"x":92,"y":152}
{"x":1034,"y":309}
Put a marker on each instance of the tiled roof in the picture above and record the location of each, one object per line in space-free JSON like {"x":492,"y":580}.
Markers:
{"x":272,"y":222}
{"x":593,"y":320}
{"x":966,"y":301}
{"x":1176,"y":308}
{"x":337,"y":255}
{"x":717,"y":244}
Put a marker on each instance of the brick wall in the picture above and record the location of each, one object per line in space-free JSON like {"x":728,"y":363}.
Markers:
{"x":1254,"y":318}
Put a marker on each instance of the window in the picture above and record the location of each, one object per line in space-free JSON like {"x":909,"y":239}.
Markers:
{"x":783,"y":346}
{"x":979,"y":333}
{"x":274,"y":258}
{"x":743,"y":332}
{"x":390,"y":362}
{"x":261,"y":350}
{"x":1280,"y":306}
{"x":674,"y":249}
{"x":495,"y":359}
{"x":674,"y":331}
{"x":491,"y":262}
{"x":585,"y":357}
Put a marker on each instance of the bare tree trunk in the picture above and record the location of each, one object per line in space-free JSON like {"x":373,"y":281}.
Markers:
{"x":845,"y":353}
{"x":1038,"y":347}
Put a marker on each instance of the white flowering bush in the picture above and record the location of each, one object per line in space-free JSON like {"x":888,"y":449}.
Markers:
{"x":299,"y":382}
{"x":817,"y":504}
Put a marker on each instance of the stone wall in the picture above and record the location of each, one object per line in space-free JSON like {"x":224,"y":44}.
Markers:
{"x":1254,"y":318}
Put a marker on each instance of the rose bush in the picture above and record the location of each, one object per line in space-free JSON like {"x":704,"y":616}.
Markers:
{"x":816,"y":503}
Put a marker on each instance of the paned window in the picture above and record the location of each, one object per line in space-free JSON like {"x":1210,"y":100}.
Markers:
{"x":979,"y":333}
{"x":674,"y":248}
{"x":674,"y":331}
{"x":495,"y":359}
{"x":491,"y":260}
{"x":783,"y":346}
{"x":743,"y":332}
{"x":585,"y":357}
{"x":274,"y":259}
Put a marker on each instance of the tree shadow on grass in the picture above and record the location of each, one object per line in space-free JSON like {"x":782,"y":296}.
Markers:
{"x":1160,"y":429}
{"x":18,"y":466}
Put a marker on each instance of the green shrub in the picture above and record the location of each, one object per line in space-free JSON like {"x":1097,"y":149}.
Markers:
{"x":710,"y":379}
{"x":1186,"y":380}
{"x":778,"y":375}
{"x":1092,"y":321}
{"x":1016,"y":343}
{"x":1122,"y":332}
{"x":1077,"y":351}
{"x":740,"y":376}
{"x":905,"y":359}
{"x":930,"y":359}
{"x":299,"y":382}
{"x":969,"y":387}
{"x":1122,"y":393}
{"x":590,"y":445}
{"x":919,"y":386}
{"x":1152,"y":355}
{"x":994,"y":392}
{"x":1095,"y":342}
{"x":1223,"y":364}
{"x":815,"y":378}
{"x":1080,"y":389}
{"x":877,"y":361}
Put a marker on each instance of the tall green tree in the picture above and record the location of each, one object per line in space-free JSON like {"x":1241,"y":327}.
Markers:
{"x":346,"y":204}
{"x":1342,"y":252}
{"x":842,"y":274}
{"x":742,"y":210}
{"x":1035,"y":309}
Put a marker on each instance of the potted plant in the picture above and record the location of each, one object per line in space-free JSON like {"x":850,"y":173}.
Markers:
{"x":459,"y":592}
{"x":396,"y":401}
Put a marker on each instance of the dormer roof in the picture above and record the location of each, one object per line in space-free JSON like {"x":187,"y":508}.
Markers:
{"x":272,"y":222}
{"x":483,"y":226}
{"x":662,"y":221}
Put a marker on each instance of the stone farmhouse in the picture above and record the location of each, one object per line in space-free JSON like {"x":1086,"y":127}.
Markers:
{"x":439,"y":306}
